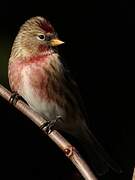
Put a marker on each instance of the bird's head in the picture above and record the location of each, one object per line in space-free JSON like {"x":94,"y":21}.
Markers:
{"x":36,"y":35}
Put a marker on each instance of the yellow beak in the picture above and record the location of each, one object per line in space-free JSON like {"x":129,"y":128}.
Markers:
{"x":55,"y":42}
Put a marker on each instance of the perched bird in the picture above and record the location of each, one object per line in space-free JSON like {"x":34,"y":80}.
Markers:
{"x":37,"y":74}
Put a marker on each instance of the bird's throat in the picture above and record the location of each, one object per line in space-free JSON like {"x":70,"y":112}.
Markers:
{"x":42,"y":48}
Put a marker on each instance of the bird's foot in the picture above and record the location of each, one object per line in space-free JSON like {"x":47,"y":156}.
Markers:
{"x":49,"y":126}
{"x":14,"y":98}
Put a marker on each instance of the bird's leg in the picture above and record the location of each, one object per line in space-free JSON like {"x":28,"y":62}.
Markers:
{"x":15,"y":97}
{"x":49,"y":125}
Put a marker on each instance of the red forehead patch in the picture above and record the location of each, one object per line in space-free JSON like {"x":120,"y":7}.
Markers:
{"x":46,"y":26}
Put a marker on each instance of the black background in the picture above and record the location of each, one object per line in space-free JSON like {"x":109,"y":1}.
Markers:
{"x":99,"y":51}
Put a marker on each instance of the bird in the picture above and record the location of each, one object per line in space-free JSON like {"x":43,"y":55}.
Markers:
{"x":37,"y":74}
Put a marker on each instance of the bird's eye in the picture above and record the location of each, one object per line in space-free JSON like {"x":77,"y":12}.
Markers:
{"x":41,"y":37}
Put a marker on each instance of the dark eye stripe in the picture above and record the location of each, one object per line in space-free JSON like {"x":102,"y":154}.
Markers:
{"x":49,"y":37}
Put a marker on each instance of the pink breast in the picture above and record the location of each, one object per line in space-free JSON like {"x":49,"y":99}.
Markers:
{"x":38,"y":80}
{"x":35,"y":74}
{"x":14,"y":71}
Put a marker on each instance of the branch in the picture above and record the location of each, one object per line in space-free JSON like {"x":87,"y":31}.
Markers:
{"x":55,"y":136}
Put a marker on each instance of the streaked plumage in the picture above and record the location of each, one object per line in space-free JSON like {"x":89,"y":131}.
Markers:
{"x":37,"y":74}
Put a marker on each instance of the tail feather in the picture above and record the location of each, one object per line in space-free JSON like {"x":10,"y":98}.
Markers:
{"x":98,"y":159}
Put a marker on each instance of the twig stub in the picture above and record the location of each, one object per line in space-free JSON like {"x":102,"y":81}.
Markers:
{"x":69,"y":151}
